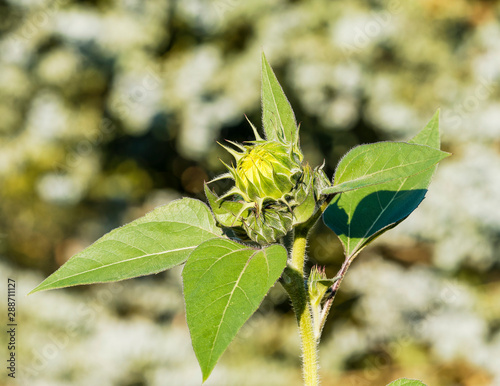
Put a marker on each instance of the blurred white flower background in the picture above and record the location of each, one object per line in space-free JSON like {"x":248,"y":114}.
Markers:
{"x":111,"y":108}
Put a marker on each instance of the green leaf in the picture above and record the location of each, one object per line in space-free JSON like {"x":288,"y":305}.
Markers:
{"x":277,"y":114}
{"x":224,"y":283}
{"x":381,"y":162}
{"x":160,"y":240}
{"x":406,"y":382}
{"x":360,"y":216}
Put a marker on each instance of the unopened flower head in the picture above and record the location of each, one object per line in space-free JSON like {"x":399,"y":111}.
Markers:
{"x":272,"y":190}
{"x":266,"y":170}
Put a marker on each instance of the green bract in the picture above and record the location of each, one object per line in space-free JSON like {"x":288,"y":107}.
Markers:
{"x":269,"y":226}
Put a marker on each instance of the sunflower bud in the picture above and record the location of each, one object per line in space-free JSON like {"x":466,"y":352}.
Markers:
{"x":272,"y":191}
{"x":266,"y":170}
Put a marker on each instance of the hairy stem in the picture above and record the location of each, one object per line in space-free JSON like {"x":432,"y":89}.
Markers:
{"x":293,"y":282}
{"x":328,"y":304}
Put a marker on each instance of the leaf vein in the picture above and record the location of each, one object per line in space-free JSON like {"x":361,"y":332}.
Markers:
{"x":121,"y":261}
{"x":229,"y":302}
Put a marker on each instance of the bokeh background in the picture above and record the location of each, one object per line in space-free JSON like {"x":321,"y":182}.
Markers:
{"x":110,"y":108}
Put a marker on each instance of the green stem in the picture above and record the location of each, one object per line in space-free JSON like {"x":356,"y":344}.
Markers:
{"x":293,"y":282}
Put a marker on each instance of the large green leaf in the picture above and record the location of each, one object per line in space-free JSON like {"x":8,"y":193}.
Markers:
{"x":277,"y":114}
{"x":406,"y":382}
{"x":224,"y":283}
{"x":381,"y":162}
{"x":160,"y":240}
{"x":360,"y":216}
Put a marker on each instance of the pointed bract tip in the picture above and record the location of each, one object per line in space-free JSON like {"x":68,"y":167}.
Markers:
{"x":230,"y":168}
{"x":254,"y":129}
{"x":233,"y":152}
{"x":236,"y":144}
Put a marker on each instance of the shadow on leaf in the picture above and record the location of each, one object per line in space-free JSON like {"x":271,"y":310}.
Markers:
{"x":356,"y":216}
